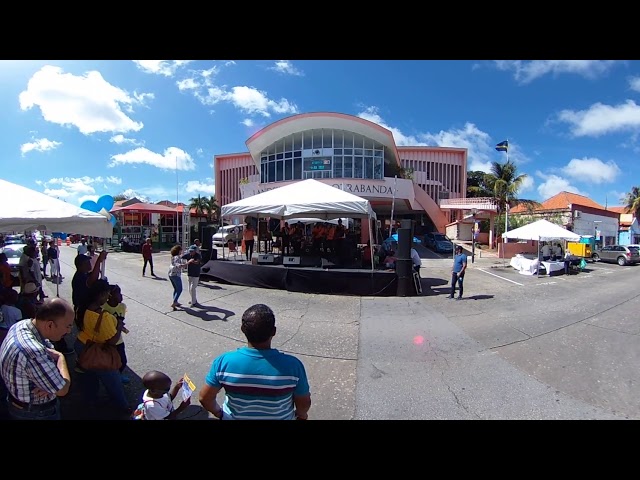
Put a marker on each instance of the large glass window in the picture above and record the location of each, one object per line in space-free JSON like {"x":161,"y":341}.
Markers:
{"x":353,"y":156}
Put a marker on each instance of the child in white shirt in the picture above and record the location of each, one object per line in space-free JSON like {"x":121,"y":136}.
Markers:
{"x":157,"y":400}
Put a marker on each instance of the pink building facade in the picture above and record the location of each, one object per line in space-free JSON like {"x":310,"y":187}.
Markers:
{"x":353,"y":154}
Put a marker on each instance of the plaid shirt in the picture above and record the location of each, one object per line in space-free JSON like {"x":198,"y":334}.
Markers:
{"x":25,"y":364}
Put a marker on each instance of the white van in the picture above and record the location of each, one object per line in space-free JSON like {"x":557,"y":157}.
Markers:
{"x":226,"y":233}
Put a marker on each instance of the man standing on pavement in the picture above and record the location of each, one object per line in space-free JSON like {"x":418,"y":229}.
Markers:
{"x":34,"y":373}
{"x":147,"y":251}
{"x":457,"y":272}
{"x":260,"y":382}
{"x":82,"y":248}
{"x":194,"y":265}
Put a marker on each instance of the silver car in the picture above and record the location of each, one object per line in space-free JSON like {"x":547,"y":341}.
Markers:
{"x":620,"y":254}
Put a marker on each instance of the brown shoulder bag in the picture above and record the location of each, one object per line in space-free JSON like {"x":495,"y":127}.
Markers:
{"x":99,"y":356}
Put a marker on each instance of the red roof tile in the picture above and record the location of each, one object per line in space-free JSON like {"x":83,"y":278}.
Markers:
{"x":561,"y":201}
{"x":618,"y":209}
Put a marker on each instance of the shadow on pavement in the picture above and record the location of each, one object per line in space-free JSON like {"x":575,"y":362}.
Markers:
{"x":206,"y":312}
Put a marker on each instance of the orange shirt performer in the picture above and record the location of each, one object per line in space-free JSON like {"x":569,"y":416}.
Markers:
{"x":248,"y":234}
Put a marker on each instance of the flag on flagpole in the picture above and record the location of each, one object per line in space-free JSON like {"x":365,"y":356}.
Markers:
{"x":503,"y":146}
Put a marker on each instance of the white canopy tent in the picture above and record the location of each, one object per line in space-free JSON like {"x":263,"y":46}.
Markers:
{"x":306,"y":199}
{"x":24,"y":209}
{"x":542,"y":230}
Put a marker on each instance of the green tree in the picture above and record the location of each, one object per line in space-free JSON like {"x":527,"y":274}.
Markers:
{"x":504,"y":183}
{"x":199,"y":204}
{"x":632,"y":202}
{"x":119,"y":197}
{"x":212,"y":208}
{"x":476,"y":185}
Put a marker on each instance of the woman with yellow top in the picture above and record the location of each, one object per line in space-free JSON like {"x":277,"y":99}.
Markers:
{"x":119,"y":310}
{"x":109,"y":332}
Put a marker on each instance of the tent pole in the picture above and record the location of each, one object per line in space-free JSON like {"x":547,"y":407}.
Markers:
{"x":221,"y":225}
{"x":538,"y":269}
{"x":371,"y":243}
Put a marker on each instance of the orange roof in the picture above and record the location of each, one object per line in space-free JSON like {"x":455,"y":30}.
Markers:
{"x":561,"y":201}
{"x":618,"y":209}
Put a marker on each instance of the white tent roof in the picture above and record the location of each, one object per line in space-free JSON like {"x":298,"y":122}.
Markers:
{"x":542,"y":230}
{"x":305,"y":199}
{"x":24,"y":209}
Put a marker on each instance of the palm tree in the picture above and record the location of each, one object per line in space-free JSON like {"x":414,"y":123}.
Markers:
{"x":632,"y":201}
{"x":504,"y":182}
{"x":199,"y":204}
{"x":212,"y":207}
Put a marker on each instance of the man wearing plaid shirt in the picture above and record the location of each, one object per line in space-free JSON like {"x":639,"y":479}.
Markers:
{"x":34,"y":373}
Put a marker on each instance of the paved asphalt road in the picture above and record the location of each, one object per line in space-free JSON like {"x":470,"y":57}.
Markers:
{"x":516,"y":347}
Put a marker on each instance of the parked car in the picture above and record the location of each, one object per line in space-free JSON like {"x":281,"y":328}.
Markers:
{"x":14,"y":240}
{"x":620,"y":254}
{"x":14,"y":252}
{"x":226,"y":233}
{"x":438,"y":242}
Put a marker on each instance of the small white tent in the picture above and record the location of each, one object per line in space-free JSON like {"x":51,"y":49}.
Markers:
{"x":24,"y":209}
{"x":542,"y":230}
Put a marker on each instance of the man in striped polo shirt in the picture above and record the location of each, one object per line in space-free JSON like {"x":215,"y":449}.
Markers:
{"x":260,"y":382}
{"x":34,"y":373}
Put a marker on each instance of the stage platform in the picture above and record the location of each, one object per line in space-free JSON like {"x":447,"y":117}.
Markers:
{"x":333,"y":281}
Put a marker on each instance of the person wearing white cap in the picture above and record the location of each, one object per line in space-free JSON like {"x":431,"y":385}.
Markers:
{"x":194,"y":262}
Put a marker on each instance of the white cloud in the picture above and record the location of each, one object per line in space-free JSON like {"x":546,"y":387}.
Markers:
{"x":87,"y":102}
{"x":114,"y":180}
{"x":526,"y":71}
{"x":480,"y":148}
{"x":75,"y":189}
{"x":228,"y":63}
{"x":199,"y":152}
{"x":247,"y":99}
{"x":204,"y":188}
{"x":253,"y":101}
{"x":600,"y":119}
{"x":554,"y":184}
{"x":166,"y":160}
{"x":160,"y":67}
{"x":121,"y":139}
{"x":57,"y":192}
{"x":526,"y":185}
{"x":247,"y":122}
{"x":592,"y":170}
{"x":39,"y":145}
{"x":286,"y":67}
{"x":187,"y":84}
{"x":634,"y":83}
{"x":130,"y":193}
{"x":83,"y":198}
{"x":616,"y":198}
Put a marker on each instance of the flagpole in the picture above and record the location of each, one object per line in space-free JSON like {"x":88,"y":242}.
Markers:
{"x":177,"y":219}
{"x":506,"y":207}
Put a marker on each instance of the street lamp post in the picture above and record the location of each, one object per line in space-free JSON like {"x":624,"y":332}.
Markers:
{"x":473,"y":235}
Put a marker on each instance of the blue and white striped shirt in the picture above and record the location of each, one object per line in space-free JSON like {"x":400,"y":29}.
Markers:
{"x":25,"y":364}
{"x":259,"y":384}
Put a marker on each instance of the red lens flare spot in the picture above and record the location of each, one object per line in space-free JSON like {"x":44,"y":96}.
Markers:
{"x":418,"y":340}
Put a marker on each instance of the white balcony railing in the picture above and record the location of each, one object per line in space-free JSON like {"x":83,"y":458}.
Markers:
{"x":480,"y":203}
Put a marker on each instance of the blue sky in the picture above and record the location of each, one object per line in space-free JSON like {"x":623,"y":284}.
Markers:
{"x":81,"y":129}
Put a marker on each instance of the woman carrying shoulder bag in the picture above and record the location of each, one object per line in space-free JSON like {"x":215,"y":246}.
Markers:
{"x":99,"y":329}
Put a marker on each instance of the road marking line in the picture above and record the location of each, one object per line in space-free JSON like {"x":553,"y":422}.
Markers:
{"x":522,"y":285}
